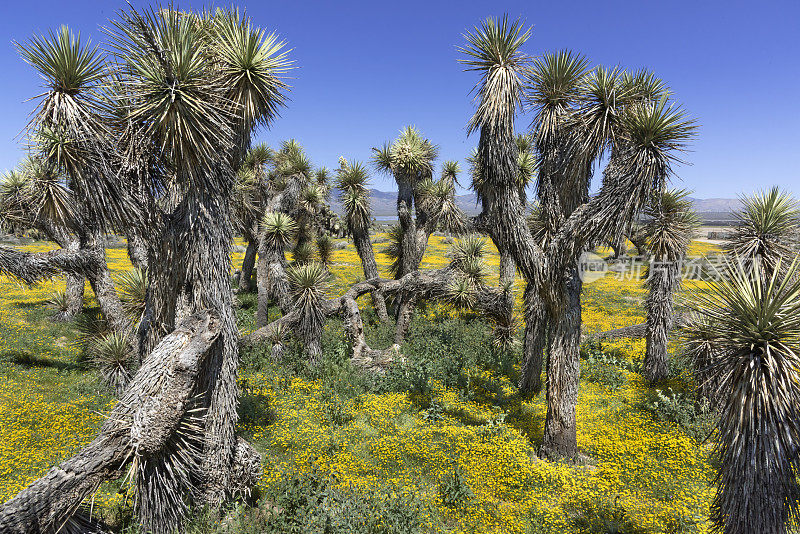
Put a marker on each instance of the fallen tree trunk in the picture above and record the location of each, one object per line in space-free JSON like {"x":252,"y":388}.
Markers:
{"x":634,"y":331}
{"x":139,"y":425}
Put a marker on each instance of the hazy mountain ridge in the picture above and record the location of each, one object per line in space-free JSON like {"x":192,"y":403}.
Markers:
{"x":384,"y":203}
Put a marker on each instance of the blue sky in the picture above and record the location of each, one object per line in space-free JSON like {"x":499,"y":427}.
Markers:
{"x":366,"y":69}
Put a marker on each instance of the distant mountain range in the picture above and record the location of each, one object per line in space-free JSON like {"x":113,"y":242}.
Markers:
{"x":384,"y":204}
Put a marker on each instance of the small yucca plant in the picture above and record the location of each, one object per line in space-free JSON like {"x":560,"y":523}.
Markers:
{"x":276,"y":337}
{"x":58,"y":301}
{"x":766,"y":227}
{"x":468,"y":247}
{"x":325,"y":249}
{"x":112,"y":354}
{"x":303,"y":252}
{"x":91,"y":325}
{"x":132,"y":290}
{"x":461,"y":293}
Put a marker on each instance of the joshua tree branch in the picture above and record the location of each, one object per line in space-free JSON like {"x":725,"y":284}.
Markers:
{"x":428,"y":284}
{"x":31,"y":267}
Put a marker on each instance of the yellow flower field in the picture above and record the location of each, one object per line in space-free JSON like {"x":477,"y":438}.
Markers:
{"x":51,"y":405}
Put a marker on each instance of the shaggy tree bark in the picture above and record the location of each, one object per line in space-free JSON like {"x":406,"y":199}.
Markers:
{"x":563,"y":376}
{"x":370,"y":266}
{"x":663,"y":281}
{"x":534,"y":343}
{"x":139,"y":425}
{"x":137,"y":250}
{"x":273,"y":284}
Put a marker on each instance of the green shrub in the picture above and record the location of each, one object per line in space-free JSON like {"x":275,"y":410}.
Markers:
{"x":453,"y":489}
{"x":602,"y":516}
{"x":696,"y":418}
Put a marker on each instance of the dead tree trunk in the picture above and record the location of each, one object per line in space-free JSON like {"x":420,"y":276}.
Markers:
{"x":139,"y":425}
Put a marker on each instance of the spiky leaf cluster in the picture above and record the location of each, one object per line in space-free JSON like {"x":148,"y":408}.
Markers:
{"x":279,"y":230}
{"x":410,"y":157}
{"x":765,"y":229}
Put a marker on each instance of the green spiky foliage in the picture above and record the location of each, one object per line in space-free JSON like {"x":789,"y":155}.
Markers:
{"x":113,"y":356}
{"x":91,"y":325}
{"x":253,"y":65}
{"x":450,"y":171}
{"x":303,"y":252}
{"x":132,"y":289}
{"x":67,"y":130}
{"x":756,"y":340}
{"x":308,"y":286}
{"x":670,"y":228}
{"x":325,"y":249}
{"x":671,"y":224}
{"x":57,"y":301}
{"x":461,"y":293}
{"x":279,"y":230}
{"x":766,"y":228}
{"x":409,"y":158}
{"x":469,"y":247}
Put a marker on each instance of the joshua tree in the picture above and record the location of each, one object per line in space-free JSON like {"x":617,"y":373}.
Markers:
{"x":249,"y":196}
{"x":352,"y":182}
{"x":766,"y":228}
{"x":670,"y":228}
{"x":409,"y":158}
{"x":151,"y":139}
{"x":69,"y":140}
{"x":579,"y":116}
{"x":755,"y":333}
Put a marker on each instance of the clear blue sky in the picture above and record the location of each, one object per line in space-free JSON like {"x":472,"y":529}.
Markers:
{"x":366,"y":69}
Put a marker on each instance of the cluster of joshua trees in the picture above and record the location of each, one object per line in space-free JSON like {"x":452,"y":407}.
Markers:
{"x":151,"y":139}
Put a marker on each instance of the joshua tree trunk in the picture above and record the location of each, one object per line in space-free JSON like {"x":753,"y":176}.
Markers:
{"x":660,"y":317}
{"x":408,"y":244}
{"x":507,"y":273}
{"x":563,"y":373}
{"x":273,"y":283}
{"x":248,"y":263}
{"x":530,"y":381}
{"x":619,"y":246}
{"x":141,"y":423}
{"x":75,"y":282}
{"x":137,"y":250}
{"x":367,"y":255}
